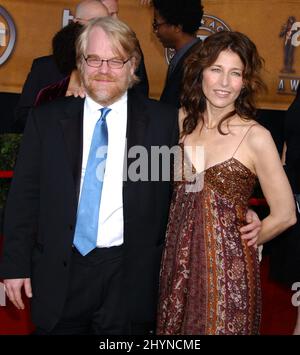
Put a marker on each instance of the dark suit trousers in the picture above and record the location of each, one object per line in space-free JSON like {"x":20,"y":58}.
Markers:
{"x":93,"y":303}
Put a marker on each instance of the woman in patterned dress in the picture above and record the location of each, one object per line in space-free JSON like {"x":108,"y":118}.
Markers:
{"x":210,"y":280}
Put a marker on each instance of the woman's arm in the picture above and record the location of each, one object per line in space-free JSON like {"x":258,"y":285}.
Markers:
{"x":283,"y":155}
{"x":274,"y":184}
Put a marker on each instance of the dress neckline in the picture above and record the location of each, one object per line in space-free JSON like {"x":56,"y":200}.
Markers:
{"x":219,"y":164}
{"x":227,"y":161}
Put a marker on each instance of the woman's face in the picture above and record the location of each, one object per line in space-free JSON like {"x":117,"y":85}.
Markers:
{"x":223,"y":80}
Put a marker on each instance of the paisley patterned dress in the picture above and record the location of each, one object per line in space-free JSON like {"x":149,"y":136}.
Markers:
{"x":210,"y":278}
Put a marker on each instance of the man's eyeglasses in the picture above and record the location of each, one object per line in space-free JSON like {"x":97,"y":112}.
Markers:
{"x":156,"y":25}
{"x":113,"y":63}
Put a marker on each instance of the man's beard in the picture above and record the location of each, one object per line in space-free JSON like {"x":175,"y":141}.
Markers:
{"x":106,"y":95}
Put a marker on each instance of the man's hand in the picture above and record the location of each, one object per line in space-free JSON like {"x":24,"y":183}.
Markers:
{"x":251,"y":230}
{"x":13,"y":288}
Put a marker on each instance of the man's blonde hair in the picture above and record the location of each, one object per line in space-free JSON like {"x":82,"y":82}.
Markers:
{"x":122,"y":38}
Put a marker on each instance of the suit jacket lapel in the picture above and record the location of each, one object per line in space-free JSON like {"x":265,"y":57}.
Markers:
{"x":72,"y":126}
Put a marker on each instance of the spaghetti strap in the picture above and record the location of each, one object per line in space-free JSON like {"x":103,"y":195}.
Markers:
{"x":243,"y":139}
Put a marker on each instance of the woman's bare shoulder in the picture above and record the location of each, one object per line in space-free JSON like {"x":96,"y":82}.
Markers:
{"x":258,"y":136}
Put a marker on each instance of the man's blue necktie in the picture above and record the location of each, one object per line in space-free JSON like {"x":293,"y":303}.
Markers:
{"x":85,"y":238}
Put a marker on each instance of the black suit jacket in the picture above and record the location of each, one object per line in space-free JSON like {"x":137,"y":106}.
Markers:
{"x":41,"y":208}
{"x":44,"y":72}
{"x":172,"y":89}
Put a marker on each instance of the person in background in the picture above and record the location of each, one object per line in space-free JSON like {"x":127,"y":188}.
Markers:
{"x":210,"y":275}
{"x":112,"y":7}
{"x":64,"y":53}
{"x":285,"y":250}
{"x":175,"y":24}
{"x":48,"y":72}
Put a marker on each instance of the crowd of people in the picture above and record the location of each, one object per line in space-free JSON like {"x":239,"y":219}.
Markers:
{"x":105,"y":248}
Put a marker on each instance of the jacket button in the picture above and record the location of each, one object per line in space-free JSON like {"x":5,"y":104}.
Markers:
{"x":65,"y":263}
{"x":71,"y":227}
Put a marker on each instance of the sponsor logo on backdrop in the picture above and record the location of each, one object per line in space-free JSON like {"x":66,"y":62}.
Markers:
{"x":209,"y":24}
{"x":67,"y":17}
{"x":289,"y":77}
{"x":7,"y":35}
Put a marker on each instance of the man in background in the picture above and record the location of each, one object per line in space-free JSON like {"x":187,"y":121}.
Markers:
{"x":175,"y":24}
{"x":112,"y":7}
{"x":143,"y":85}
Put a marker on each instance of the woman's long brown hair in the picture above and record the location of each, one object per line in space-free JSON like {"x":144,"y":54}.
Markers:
{"x":205,"y":54}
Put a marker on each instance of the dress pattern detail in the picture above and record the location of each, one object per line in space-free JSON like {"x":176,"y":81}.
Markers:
{"x":209,"y":282}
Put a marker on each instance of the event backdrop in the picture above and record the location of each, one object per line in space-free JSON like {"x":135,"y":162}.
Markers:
{"x":27,"y":27}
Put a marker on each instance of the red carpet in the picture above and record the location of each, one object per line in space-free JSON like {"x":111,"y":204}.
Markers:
{"x":278,"y":313}
{"x":13,"y":321}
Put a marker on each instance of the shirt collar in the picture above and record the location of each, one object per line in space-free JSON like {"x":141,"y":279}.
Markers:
{"x":117,"y":106}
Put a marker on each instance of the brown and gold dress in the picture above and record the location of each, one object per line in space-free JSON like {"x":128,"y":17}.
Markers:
{"x":210,"y":278}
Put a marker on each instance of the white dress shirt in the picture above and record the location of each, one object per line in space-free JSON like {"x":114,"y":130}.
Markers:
{"x":111,"y":223}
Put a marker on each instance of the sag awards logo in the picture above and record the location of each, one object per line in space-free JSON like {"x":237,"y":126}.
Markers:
{"x":7,"y":35}
{"x":209,"y":24}
{"x":288,"y":78}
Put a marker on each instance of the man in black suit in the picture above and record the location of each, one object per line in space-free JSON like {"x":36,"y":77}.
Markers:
{"x":47,"y":70}
{"x":111,"y":289}
{"x":175,"y":24}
